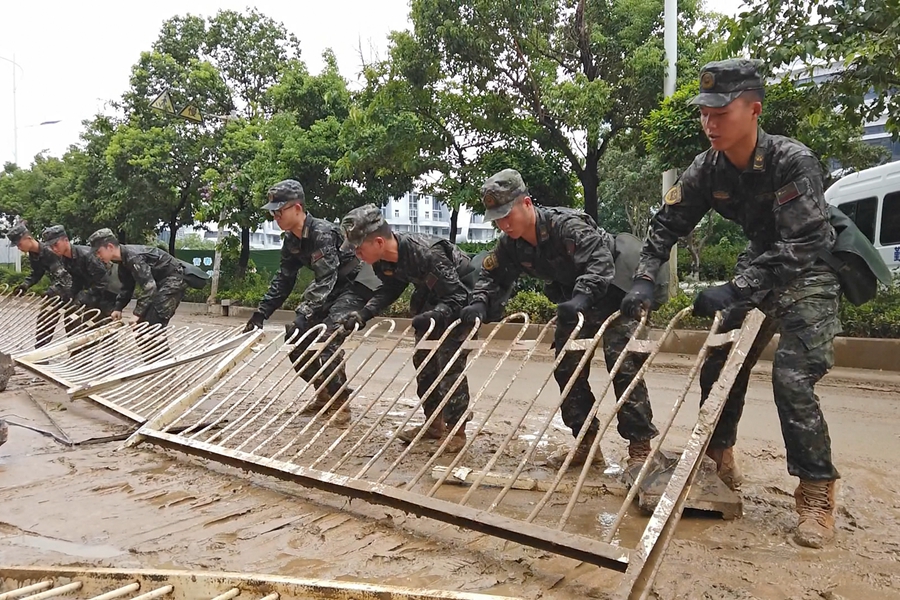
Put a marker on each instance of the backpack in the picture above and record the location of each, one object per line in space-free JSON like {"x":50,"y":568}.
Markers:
{"x":858,"y":264}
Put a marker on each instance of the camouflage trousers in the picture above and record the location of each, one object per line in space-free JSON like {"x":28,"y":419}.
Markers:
{"x":635,"y":417}
{"x":458,"y":403}
{"x":165,"y":301}
{"x":352,"y":298}
{"x":805,"y":313}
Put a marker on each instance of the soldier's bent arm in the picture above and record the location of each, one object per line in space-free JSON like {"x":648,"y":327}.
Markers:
{"x":60,"y":279}
{"x":37,"y":270}
{"x":390,"y":290}
{"x":599,"y":266}
{"x":499,"y":272}
{"x":127,"y":293}
{"x":443,"y":280}
{"x":803,"y":227}
{"x":686,"y":204}
{"x":325,"y":263}
{"x":282,"y":284}
{"x":98,"y":277}
{"x":143,"y":275}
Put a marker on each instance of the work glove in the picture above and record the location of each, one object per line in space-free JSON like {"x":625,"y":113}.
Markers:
{"x":476,"y":310}
{"x":357,"y":318}
{"x":639,"y":299}
{"x":421,"y":322}
{"x":567,"y":312}
{"x":20,"y":289}
{"x":295,"y":329}
{"x":255,"y":322}
{"x":714,"y":299}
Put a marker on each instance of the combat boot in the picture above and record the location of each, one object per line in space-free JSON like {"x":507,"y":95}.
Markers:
{"x":340,"y":406}
{"x":580,"y":456}
{"x":638,"y":451}
{"x":726,"y":468}
{"x":815,"y":507}
{"x":435,"y":431}
{"x":322,"y":398}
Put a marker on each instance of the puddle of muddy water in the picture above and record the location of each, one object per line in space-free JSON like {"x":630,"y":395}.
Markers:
{"x":63,"y":546}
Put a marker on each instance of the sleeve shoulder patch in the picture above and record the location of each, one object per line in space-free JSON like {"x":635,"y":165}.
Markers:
{"x":431,"y":280}
{"x":490,"y":262}
{"x":793,"y":190}
{"x":317,"y":256}
{"x":674,"y":195}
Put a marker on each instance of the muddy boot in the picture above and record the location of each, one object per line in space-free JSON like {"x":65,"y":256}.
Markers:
{"x":456,"y":443}
{"x":341,"y":407}
{"x":581,"y":454}
{"x":436,"y":431}
{"x":726,"y":468}
{"x":322,"y":398}
{"x":638,"y":452}
{"x":815,"y":506}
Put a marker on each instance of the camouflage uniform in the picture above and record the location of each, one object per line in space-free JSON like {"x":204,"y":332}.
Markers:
{"x":330,"y":297}
{"x":574,"y":256}
{"x":433,"y":266}
{"x":778,"y":201}
{"x":89,"y":276}
{"x":43,"y":262}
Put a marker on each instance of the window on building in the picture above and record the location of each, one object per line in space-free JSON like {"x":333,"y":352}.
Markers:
{"x":862,"y":212}
{"x":445,"y":231}
{"x":427,"y":215}
{"x":397,"y":213}
{"x":890,"y":219}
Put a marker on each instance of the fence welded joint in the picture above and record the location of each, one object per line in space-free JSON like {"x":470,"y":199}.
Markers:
{"x":456,"y":383}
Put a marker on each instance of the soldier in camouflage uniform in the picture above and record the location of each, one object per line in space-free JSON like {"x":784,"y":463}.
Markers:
{"x":42,"y":262}
{"x":315,"y":244}
{"x":433,"y":266}
{"x":91,"y":284}
{"x":773,"y":187}
{"x":160,"y":276}
{"x":566,"y":249}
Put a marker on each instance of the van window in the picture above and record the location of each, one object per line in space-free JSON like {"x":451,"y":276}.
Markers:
{"x":862,"y":212}
{"x":890,"y":219}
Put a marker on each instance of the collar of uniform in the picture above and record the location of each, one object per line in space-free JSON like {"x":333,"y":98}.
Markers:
{"x":402,"y":244}
{"x":541,"y":225}
{"x":758,"y":164}
{"x":306,"y":224}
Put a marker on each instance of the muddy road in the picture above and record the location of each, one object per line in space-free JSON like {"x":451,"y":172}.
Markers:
{"x":93,"y":503}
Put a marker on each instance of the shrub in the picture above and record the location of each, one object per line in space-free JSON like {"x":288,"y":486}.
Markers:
{"x":535,"y":304}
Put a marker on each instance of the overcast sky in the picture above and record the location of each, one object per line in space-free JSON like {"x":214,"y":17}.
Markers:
{"x":76,"y":55}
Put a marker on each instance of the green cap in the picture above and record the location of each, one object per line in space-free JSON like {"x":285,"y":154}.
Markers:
{"x":500,"y":191}
{"x":359,"y":223}
{"x":17,"y":232}
{"x":101,"y":237}
{"x":53,"y":233}
{"x":721,"y":82}
{"x":283,"y":192}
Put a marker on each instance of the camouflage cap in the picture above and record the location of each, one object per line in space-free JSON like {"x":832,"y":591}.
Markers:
{"x":17,"y":232}
{"x":51,"y":234}
{"x":359,"y":223}
{"x":721,"y":82}
{"x":101,"y":237}
{"x":283,"y":192}
{"x":500,"y":191}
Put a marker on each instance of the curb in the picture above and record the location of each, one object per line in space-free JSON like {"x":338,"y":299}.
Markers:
{"x":876,"y":354}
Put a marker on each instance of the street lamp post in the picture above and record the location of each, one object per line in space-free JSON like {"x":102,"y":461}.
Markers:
{"x":670,"y":42}
{"x":15,"y":117}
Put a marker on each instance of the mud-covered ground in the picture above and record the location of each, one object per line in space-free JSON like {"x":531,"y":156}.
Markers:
{"x":97,"y":504}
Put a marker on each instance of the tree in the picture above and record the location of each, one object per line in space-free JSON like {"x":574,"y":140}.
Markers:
{"x":858,"y":41}
{"x":629,"y":190}
{"x":673,"y":135}
{"x":584,"y":71}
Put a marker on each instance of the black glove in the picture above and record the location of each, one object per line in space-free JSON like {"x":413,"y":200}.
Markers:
{"x":638,"y":299}
{"x":715,"y":299}
{"x":295,"y":329}
{"x":421,"y":322}
{"x":357,"y":317}
{"x":567,"y":312}
{"x":20,"y":289}
{"x":255,"y":322}
{"x":476,"y":310}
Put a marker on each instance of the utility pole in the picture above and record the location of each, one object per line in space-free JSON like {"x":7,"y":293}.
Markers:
{"x":670,"y":42}
{"x":15,"y":116}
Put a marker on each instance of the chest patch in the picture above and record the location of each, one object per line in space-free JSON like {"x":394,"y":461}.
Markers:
{"x":721,"y":195}
{"x":317,"y":256}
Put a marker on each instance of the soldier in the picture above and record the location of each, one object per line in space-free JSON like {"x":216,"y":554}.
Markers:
{"x":773,"y":187}
{"x":433,"y":265}
{"x":43,"y":262}
{"x":90,"y":279}
{"x":341,"y":286}
{"x":566,"y":249}
{"x":159,"y":274}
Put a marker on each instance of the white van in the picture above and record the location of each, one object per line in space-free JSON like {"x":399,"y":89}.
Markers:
{"x":872,"y":199}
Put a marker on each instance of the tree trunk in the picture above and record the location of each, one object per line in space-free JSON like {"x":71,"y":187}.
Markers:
{"x":454,"y":218}
{"x":244,"y":259}
{"x":173,"y":229}
{"x":589,"y":181}
{"x":695,"y":261}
